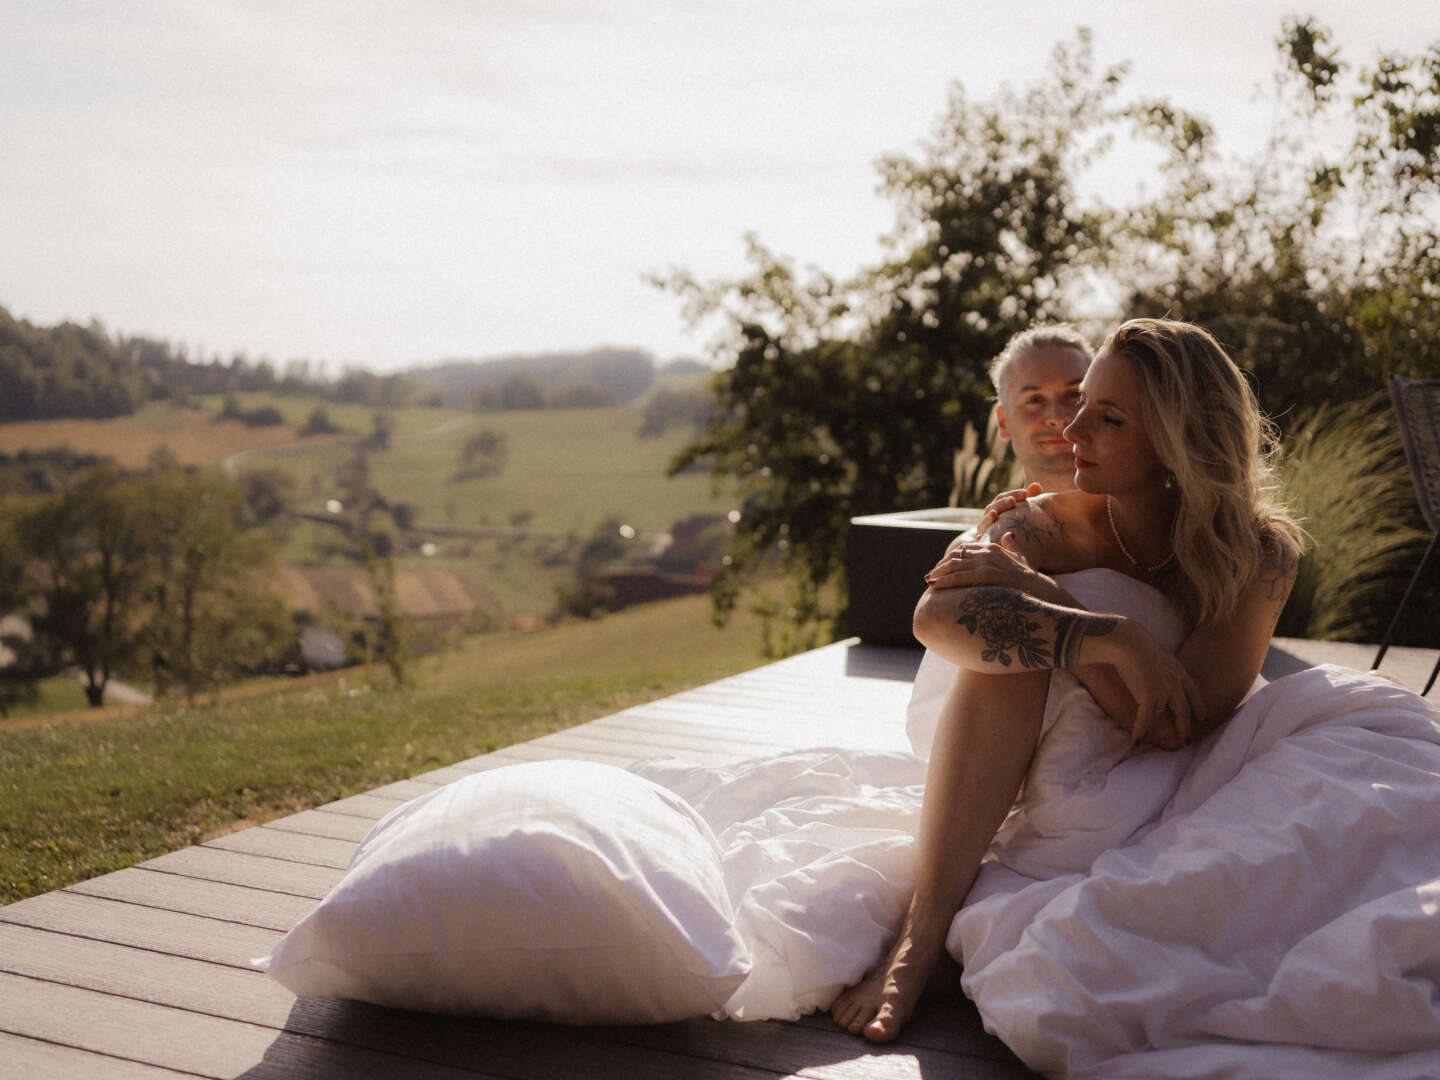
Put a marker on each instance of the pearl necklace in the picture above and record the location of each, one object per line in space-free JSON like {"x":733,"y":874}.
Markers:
{"x":1109,"y":513}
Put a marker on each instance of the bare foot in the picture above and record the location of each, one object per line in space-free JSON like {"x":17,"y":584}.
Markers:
{"x":857,"y":1006}
{"x":881,"y":1004}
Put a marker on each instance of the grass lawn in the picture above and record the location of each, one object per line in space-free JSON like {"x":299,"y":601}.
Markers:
{"x":84,"y":796}
{"x":62,"y":693}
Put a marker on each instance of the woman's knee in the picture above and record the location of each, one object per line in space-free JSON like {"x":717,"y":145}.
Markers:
{"x":934,"y":615}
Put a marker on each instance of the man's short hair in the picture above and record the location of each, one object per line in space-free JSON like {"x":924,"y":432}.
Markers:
{"x":1044,"y":336}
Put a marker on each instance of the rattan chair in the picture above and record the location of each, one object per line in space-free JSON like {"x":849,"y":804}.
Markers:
{"x":1417,"y":407}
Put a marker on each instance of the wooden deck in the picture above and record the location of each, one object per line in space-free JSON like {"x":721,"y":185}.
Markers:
{"x":145,"y":973}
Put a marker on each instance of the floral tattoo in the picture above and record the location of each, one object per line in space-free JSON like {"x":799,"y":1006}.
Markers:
{"x":1002,"y":619}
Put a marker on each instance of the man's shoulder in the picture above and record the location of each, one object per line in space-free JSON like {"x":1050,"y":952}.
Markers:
{"x":1050,"y":530}
{"x":1037,"y":519}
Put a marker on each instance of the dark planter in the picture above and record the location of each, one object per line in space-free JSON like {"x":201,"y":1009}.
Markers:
{"x":886,"y":561}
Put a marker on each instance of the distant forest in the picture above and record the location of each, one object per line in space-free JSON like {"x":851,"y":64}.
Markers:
{"x":71,"y":371}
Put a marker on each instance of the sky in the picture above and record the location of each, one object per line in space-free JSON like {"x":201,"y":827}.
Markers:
{"x":383,"y":185}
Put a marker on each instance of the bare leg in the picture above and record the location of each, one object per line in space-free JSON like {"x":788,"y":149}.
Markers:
{"x":988,"y":730}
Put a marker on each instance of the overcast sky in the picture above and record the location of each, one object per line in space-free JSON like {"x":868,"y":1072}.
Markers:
{"x":383,"y":184}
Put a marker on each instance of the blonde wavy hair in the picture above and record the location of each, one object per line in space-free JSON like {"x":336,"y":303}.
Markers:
{"x":1207,"y":429}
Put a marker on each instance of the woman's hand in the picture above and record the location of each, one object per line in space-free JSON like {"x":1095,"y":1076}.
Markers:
{"x":1006,"y":500}
{"x":969,"y":564}
{"x":1168,"y":705}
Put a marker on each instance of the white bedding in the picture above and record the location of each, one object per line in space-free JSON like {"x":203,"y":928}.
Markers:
{"x":1265,"y":903}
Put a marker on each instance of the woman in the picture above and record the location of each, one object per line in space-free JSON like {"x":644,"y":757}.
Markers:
{"x":1176,"y":491}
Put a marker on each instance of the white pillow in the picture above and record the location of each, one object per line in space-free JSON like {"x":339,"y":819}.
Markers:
{"x":555,"y":890}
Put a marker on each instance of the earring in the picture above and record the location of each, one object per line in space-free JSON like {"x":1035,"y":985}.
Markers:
{"x":1169,"y":480}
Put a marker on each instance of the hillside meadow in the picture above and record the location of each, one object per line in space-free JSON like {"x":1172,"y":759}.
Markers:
{"x":516,"y":534}
{"x":83,"y":794}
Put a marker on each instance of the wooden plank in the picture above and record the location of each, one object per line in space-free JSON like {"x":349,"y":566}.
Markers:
{"x":661,"y":736}
{"x":249,"y":996}
{"x":288,"y":846}
{"x":369,"y":806}
{"x":870,"y":730}
{"x":184,"y":1040}
{"x":469,"y":767}
{"x":402,"y":790}
{"x":105,"y":1024}
{"x":820,"y":1052}
{"x":31,"y":1059}
{"x":255,"y":871}
{"x":631,"y":745}
{"x":194,"y":896}
{"x":144,"y":975}
{"x":946,"y":1021}
{"x":524,"y":1050}
{"x":324,"y":823}
{"x":172,"y":932}
{"x":535,"y":751}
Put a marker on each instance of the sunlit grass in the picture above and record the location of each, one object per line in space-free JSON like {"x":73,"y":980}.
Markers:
{"x":80,"y":799}
{"x":57,"y":694}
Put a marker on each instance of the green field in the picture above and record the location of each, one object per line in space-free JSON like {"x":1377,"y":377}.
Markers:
{"x":566,"y":472}
{"x":81,"y":797}
{"x":567,"y":469}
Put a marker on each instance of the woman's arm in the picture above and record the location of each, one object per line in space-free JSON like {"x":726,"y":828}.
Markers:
{"x":999,"y":630}
{"x":1225,"y":656}
{"x":1221,"y":658}
{"x":999,"y":560}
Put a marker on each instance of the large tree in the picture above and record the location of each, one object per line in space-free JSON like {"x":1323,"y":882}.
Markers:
{"x":153,"y":574}
{"x":850,"y":397}
{"x":207,"y":614}
{"x":83,"y":554}
{"x":1318,"y":263}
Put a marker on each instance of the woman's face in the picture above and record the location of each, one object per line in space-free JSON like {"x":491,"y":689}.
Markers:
{"x":1113,"y":453}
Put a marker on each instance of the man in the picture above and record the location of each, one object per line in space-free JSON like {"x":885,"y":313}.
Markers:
{"x":1037,"y":384}
{"x":1037,"y":380}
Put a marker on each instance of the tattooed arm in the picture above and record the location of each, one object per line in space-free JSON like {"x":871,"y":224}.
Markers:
{"x":997,"y":630}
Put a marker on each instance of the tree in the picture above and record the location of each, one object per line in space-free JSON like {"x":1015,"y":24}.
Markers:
{"x":483,"y":454}
{"x":1319,"y":264}
{"x":669,"y":407}
{"x":268,"y":494}
{"x":20,"y":666}
{"x":849,"y":397}
{"x":319,"y":423}
{"x":373,"y":549}
{"x":522,"y":391}
{"x":207,"y":615}
{"x":84,"y":556}
{"x":382,"y":430}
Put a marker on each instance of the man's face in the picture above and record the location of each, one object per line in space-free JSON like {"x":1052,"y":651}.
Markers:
{"x":1041,"y":397}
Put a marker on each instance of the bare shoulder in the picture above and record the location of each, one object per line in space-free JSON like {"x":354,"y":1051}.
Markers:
{"x":1279,"y":566}
{"x":1052,"y":530}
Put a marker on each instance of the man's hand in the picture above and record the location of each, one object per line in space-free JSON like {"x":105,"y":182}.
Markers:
{"x":1006,"y":500}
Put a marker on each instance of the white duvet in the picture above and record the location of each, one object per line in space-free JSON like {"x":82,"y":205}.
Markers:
{"x":1265,"y":903}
